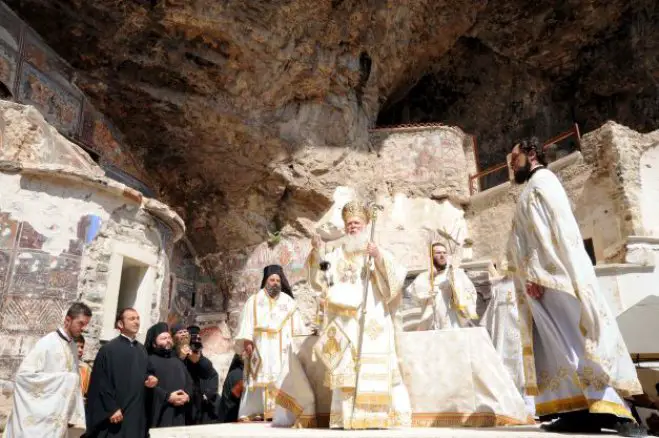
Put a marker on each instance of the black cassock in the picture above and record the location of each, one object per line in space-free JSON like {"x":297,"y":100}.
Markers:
{"x":204,"y":399}
{"x":229,"y":401}
{"x":172,"y":376}
{"x":117,"y":382}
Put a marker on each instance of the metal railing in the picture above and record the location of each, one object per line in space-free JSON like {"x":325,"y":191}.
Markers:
{"x":474,"y":179}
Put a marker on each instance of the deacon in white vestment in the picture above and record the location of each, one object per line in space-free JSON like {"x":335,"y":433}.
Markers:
{"x":446,"y":295}
{"x":581,"y":362}
{"x":47,"y":395}
{"x":269,"y":321}
{"x":358,"y":339}
{"x":502,"y":321}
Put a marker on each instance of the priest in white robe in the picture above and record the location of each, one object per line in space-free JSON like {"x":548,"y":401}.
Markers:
{"x":502,"y":321}
{"x":575,"y":359}
{"x":358,"y":339}
{"x":446,"y":295}
{"x":48,"y":400}
{"x":268,"y":323}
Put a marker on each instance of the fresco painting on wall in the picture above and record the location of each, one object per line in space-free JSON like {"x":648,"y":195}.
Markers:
{"x":36,"y":273}
{"x":8,"y":61}
{"x":37,"y":285}
{"x":5,"y":261}
{"x":58,"y":106}
{"x":9,"y":37}
{"x":8,"y":231}
{"x":183,"y":285}
{"x":37,"y":53}
{"x":32,"y":315}
{"x":99,"y":136}
{"x":35,"y":75}
{"x":245,"y":272}
{"x":208,"y":300}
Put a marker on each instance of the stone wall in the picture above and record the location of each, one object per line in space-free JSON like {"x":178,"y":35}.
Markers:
{"x":66,"y":234}
{"x":649,"y":170}
{"x":434,"y":160}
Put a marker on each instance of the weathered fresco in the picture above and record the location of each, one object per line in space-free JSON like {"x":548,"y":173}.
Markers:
{"x":35,"y":75}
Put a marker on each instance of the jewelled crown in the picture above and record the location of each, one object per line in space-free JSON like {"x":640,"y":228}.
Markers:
{"x":355,"y":209}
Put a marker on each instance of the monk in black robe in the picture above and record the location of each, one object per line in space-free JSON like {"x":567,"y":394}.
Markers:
{"x":232,"y":390}
{"x":205,"y":399}
{"x":115,"y":401}
{"x":168,"y":403}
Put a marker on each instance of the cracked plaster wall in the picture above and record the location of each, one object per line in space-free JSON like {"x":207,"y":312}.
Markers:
{"x":60,"y":222}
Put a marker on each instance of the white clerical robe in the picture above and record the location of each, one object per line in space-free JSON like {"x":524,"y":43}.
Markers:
{"x":366,"y":383}
{"x":47,"y":394}
{"x":574,"y":355}
{"x":447,"y":301}
{"x":502,"y":321}
{"x":270,"y":323}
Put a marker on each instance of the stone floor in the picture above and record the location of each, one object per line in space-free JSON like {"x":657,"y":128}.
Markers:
{"x":256,"y":430}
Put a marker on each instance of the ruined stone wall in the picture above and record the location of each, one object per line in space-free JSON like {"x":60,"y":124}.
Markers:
{"x":432,"y":161}
{"x":62,"y":224}
{"x":35,"y":75}
{"x":604,"y":185}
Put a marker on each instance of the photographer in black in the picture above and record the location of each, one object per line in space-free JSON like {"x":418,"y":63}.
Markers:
{"x":204,"y":399}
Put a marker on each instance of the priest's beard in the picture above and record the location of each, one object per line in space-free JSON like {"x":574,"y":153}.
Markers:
{"x":438,"y":266}
{"x":522,"y":174}
{"x":356,"y":242}
{"x":163,"y":351}
{"x":273,"y":290}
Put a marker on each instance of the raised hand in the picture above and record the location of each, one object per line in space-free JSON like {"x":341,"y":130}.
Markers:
{"x":249,"y":348}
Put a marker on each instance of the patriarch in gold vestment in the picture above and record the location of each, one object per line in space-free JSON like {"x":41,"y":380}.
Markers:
{"x":358,"y":339}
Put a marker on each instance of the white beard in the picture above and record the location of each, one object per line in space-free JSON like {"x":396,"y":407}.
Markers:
{"x":356,"y":242}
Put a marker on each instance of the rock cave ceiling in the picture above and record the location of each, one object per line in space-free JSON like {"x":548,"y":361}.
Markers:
{"x":242,"y":110}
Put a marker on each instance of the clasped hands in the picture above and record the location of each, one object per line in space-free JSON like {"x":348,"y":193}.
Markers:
{"x":178,"y":398}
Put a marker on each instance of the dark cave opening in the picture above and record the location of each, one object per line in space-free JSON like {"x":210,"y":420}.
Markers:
{"x":500,"y":99}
